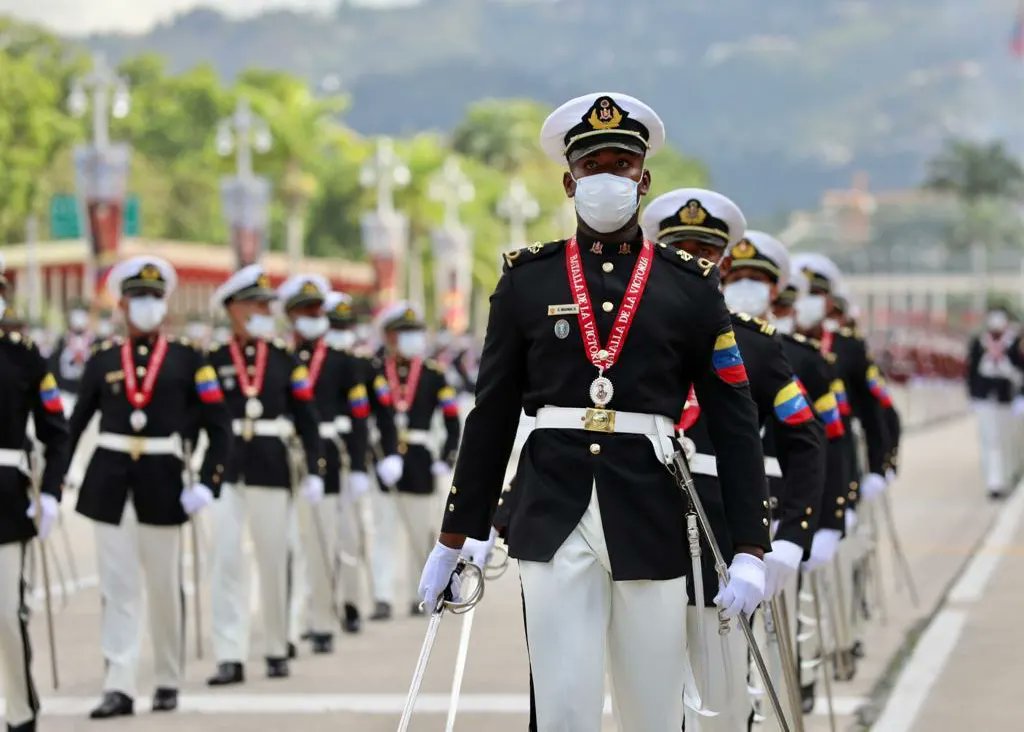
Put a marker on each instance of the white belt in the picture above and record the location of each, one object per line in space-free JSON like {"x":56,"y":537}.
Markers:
{"x":416,"y":437}
{"x":14,"y":459}
{"x":343,"y":424}
{"x":137,"y":446}
{"x":703,"y":464}
{"x":281,"y":428}
{"x":772,"y":468}
{"x":657,"y":428}
{"x":328,"y":430}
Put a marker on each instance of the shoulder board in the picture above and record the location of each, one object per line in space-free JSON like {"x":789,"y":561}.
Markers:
{"x":106,"y":345}
{"x":830,"y":357}
{"x":850,"y":333}
{"x":281,"y":345}
{"x":531,"y":253}
{"x":366,"y":354}
{"x":433,"y":366}
{"x":758,"y":324}
{"x":808,"y":343}
{"x":15,"y":337}
{"x":214,"y":347}
{"x":696,"y":265}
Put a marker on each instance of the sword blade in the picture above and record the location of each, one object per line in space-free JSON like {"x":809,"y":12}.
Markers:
{"x":816,"y":591}
{"x":460,"y":668}
{"x":421,"y":668}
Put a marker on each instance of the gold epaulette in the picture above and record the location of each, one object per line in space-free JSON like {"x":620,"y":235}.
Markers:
{"x":531,"y":253}
{"x":697,"y":265}
{"x":759,"y":324}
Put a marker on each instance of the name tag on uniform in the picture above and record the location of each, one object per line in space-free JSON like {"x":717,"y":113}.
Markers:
{"x":115,"y":376}
{"x":571,"y":309}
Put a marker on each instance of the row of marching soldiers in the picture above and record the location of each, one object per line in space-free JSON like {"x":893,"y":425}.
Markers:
{"x":787,"y":444}
{"x":281,"y":438}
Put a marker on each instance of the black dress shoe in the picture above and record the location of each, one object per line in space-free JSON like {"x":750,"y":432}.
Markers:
{"x":352,"y":622}
{"x":857,"y":650}
{"x":807,"y":698}
{"x":229,"y":672}
{"x":277,"y":668}
{"x":29,"y":726}
{"x":293,"y":652}
{"x":381,"y":611}
{"x":416,"y":611}
{"x":165,"y":700}
{"x":323,"y":643}
{"x":113,"y":704}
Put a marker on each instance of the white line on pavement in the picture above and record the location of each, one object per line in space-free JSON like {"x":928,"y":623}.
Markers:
{"x":383,"y":704}
{"x":971,"y":585}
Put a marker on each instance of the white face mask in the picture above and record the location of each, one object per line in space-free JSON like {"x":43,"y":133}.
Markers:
{"x":3,"y":306}
{"x":785,"y":324}
{"x":748,"y":296}
{"x":809,"y":310}
{"x":606,"y":202}
{"x":311,"y":328}
{"x":412,"y":343}
{"x":997,"y":321}
{"x":341,"y":339}
{"x":105,"y":328}
{"x":260,"y":325}
{"x":78,"y":320}
{"x":146,"y":312}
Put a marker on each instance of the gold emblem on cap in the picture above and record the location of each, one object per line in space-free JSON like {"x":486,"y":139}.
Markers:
{"x":744,"y":250}
{"x":605,"y":115}
{"x":263,"y":281}
{"x":410,"y":314}
{"x":693,"y":213}
{"x":309,"y":288}
{"x":150,"y":272}
{"x":343,"y":308}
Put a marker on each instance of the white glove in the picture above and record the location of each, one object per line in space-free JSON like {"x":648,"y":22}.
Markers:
{"x":890,"y":476}
{"x":850,"y":520}
{"x":1018,"y":406}
{"x":745,"y":589}
{"x":440,"y":468}
{"x":195,"y":498}
{"x":389,"y":470}
{"x":823,"y":548}
{"x":312,"y":489}
{"x":51,"y":510}
{"x":358,"y":485}
{"x":438,"y":573}
{"x":781,"y":565}
{"x":872,"y":486}
{"x":479,"y":552}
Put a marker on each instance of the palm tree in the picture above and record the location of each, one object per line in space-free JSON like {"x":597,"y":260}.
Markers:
{"x":974,"y":171}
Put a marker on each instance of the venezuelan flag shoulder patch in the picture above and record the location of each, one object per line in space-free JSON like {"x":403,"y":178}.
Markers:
{"x":49,"y":394}
{"x":877,"y":387}
{"x":839,"y":389}
{"x":727,"y":361}
{"x":448,"y":402}
{"x":302,"y":387}
{"x":359,"y":401}
{"x":827,"y":408}
{"x":207,"y":386}
{"x":791,"y":405}
{"x":382,"y":390}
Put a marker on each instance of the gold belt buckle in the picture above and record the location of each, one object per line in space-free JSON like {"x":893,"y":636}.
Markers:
{"x":599,"y":420}
{"x":248,"y":429}
{"x":136,"y":446}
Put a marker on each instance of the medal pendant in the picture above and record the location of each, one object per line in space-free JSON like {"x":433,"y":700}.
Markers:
{"x":402,"y":422}
{"x":601,"y":391}
{"x":253,"y":408}
{"x":138,"y":420}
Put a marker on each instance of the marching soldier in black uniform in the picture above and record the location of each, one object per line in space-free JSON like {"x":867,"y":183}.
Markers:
{"x":72,"y":350}
{"x":600,"y":337}
{"x":269,"y":395}
{"x":696,"y":220}
{"x":27,"y":388}
{"x":355,"y":519}
{"x":338,"y":390}
{"x":418,"y":389}
{"x":152,"y":392}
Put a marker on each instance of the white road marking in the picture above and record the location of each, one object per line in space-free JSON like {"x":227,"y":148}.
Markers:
{"x":382,"y":704}
{"x":971,"y":585}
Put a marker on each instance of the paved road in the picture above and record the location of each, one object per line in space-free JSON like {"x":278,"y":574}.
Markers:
{"x":941,"y":513}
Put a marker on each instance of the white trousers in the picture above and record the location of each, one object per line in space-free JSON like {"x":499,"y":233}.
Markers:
{"x":575,"y":611}
{"x":385,"y":534}
{"x":416,"y":516}
{"x":769,"y":643}
{"x":15,"y":653}
{"x":126,"y":553}
{"x":268,"y":511}
{"x":355,"y":536}
{"x":318,"y":531}
{"x":998,"y":431}
{"x":723,"y":679}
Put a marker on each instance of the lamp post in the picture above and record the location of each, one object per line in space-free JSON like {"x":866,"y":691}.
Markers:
{"x":519,"y":208}
{"x":245,"y":196}
{"x":453,"y":249}
{"x":385,"y":230}
{"x":101,"y":168}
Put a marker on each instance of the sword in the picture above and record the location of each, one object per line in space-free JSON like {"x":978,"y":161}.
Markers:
{"x":37,"y":497}
{"x":816,"y":592}
{"x":787,"y":654}
{"x":681,"y":472}
{"x":842,"y":630}
{"x":897,"y":549}
{"x":445,"y":603}
{"x":194,"y":532}
{"x":460,"y":669}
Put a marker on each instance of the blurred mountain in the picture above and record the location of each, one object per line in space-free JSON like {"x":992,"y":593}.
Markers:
{"x":780,"y":99}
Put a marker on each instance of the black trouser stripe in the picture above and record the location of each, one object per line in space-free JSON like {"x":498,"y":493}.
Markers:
{"x":26,"y":644}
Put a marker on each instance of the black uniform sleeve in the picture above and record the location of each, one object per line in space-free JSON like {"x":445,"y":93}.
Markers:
{"x":491,"y":426}
{"x":51,"y":426}
{"x":215,"y":420}
{"x":307,"y":423}
{"x":975,"y":389}
{"x":447,"y":399}
{"x":867,"y":409}
{"x":893,"y":428}
{"x":357,"y":394}
{"x":731,"y":416}
{"x":831,"y":508}
{"x":800,"y":439}
{"x":382,"y":408}
{"x":88,"y":400}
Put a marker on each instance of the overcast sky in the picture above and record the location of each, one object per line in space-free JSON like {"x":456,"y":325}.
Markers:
{"x":83,"y":16}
